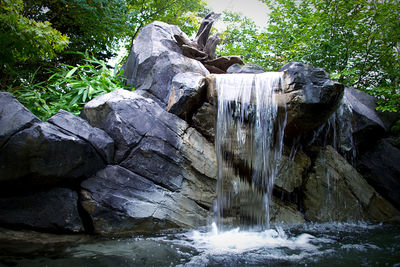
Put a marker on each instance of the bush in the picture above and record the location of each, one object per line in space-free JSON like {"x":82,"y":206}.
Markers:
{"x":68,"y":88}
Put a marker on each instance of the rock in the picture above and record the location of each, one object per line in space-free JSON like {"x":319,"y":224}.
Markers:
{"x":204,"y":30}
{"x":155,"y":59}
{"x":335,"y":191}
{"x":187,"y":94}
{"x":191,"y":52}
{"x":103,"y":143}
{"x":45,"y":154}
{"x":290,"y":170}
{"x":14,"y":117}
{"x":204,"y":120}
{"x":121,"y":202}
{"x":284,"y":213}
{"x":28,"y":243}
{"x":366,"y":123}
{"x":55,"y":210}
{"x":380,"y":166}
{"x":224,"y":62}
{"x":236,"y":68}
{"x":154,"y":144}
{"x":338,"y":132}
{"x":310,"y":97}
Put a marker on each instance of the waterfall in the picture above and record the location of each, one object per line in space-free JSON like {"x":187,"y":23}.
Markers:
{"x":249,"y":138}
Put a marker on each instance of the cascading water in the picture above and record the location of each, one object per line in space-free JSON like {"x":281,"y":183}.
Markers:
{"x":249,"y":146}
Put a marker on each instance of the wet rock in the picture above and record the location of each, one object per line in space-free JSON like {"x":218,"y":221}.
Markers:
{"x":204,"y":120}
{"x":121,"y":202}
{"x":310,"y":97}
{"x":366,"y":123}
{"x":380,"y":166}
{"x":236,"y":68}
{"x":31,"y":243}
{"x":155,"y":59}
{"x":156,"y":144}
{"x":291,"y":169}
{"x":335,"y":191}
{"x":55,"y":210}
{"x":14,"y":117}
{"x":187,"y":94}
{"x":285,"y":213}
{"x":103,"y":143}
{"x":44,"y":154}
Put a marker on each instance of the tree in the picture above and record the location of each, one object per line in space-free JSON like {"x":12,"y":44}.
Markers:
{"x":95,"y":26}
{"x":356,"y":41}
{"x":23,"y":39}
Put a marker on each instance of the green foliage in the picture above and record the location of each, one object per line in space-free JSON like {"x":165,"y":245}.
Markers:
{"x":356,"y":41}
{"x":24,"y":39}
{"x":92,"y":25}
{"x":68,"y":88}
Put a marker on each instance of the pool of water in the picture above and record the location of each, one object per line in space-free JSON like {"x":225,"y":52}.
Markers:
{"x":333,"y":244}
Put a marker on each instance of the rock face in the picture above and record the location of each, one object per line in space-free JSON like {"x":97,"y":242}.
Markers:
{"x":155,"y":59}
{"x":55,"y":211}
{"x":156,"y":144}
{"x":335,"y":191}
{"x":121,"y":202}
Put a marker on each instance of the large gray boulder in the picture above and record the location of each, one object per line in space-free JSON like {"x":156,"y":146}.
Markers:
{"x":156,"y":144}
{"x":45,"y":154}
{"x":155,"y":59}
{"x":55,"y":210}
{"x":122,"y":202}
{"x":310,"y":97}
{"x":14,"y":117}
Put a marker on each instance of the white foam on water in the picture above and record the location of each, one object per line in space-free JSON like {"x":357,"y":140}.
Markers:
{"x":236,"y":241}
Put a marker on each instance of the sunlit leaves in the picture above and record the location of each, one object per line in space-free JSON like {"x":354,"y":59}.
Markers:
{"x":24,"y":39}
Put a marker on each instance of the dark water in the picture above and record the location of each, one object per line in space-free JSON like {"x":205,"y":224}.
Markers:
{"x":305,"y":245}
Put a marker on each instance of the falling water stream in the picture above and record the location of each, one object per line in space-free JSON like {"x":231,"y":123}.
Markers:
{"x":248,"y":146}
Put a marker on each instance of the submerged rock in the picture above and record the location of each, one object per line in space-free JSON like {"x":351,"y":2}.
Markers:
{"x":121,"y":202}
{"x":55,"y":210}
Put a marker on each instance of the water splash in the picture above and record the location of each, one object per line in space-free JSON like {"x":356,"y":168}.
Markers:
{"x":249,"y":140}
